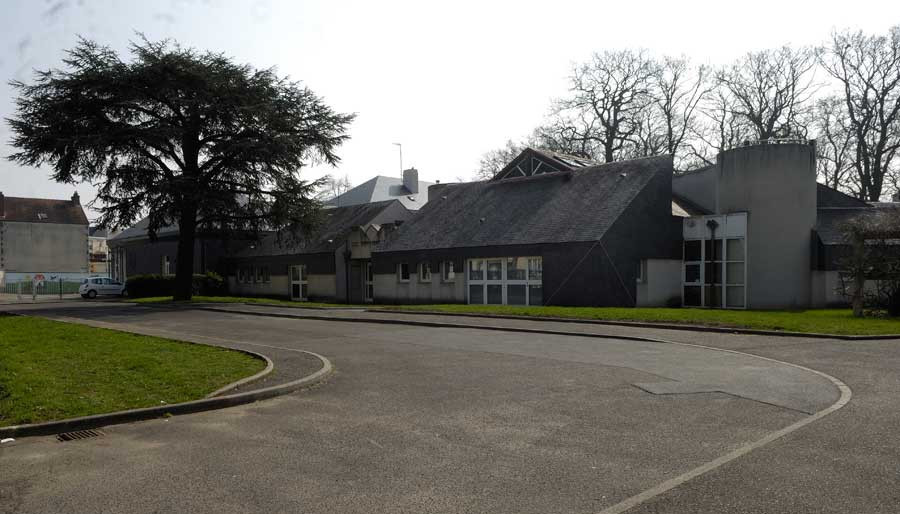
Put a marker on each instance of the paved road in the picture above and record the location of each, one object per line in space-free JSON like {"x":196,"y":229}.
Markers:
{"x":458,"y":420}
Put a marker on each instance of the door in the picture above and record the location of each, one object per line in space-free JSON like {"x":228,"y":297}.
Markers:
{"x":299,"y":285}
{"x":357,"y":281}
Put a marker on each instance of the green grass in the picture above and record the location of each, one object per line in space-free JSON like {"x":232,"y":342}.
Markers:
{"x":244,"y":299}
{"x":824,"y":321}
{"x":51,"y":370}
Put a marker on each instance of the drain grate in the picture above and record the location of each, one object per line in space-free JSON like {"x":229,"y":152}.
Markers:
{"x":78,"y":434}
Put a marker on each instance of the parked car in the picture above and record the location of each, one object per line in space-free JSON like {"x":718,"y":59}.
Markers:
{"x":92,"y":287}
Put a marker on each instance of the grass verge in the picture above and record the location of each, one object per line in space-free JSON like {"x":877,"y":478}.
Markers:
{"x":821,"y":321}
{"x":51,"y":370}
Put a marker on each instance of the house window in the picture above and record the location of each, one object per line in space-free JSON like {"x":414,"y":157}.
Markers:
{"x":164,"y":265}
{"x":642,"y":271}
{"x":259,"y":274}
{"x":506,"y":281}
{"x":403,"y":272}
{"x":266,"y":277}
{"x":447,"y":272}
{"x":299,"y":282}
{"x":370,"y":282}
{"x":425,"y":271}
{"x":240,"y":273}
{"x":714,"y":273}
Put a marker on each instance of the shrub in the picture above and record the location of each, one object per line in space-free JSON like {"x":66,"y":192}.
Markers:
{"x":142,"y":286}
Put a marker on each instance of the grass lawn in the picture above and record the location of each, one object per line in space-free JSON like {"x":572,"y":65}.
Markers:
{"x":824,"y":321}
{"x":51,"y":370}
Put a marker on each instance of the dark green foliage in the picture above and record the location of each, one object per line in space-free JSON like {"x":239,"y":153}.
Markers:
{"x":143,"y":286}
{"x":189,"y":138}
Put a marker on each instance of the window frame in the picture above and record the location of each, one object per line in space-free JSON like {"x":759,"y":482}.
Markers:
{"x":400,"y":266}
{"x":444,"y":275}
{"x":481,"y":264}
{"x":420,"y":272}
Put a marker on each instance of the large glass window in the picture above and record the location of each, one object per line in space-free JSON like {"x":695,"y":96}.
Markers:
{"x":299,"y":282}
{"x":507,"y":280}
{"x":714,"y":273}
{"x":735,"y":274}
{"x":403,"y":272}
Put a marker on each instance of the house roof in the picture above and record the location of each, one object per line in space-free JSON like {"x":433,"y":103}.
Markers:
{"x":380,"y":189}
{"x":41,"y":210}
{"x":829,"y":197}
{"x":578,"y":205}
{"x":331,"y":234}
{"x":139,"y":231}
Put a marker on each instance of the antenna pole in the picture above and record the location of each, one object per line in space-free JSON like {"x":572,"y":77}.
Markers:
{"x":400,"y":147}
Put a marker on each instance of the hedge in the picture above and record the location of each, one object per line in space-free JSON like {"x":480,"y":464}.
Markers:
{"x":141,"y":286}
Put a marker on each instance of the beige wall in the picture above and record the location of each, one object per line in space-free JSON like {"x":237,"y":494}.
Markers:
{"x":389,"y":289}
{"x":318,"y":286}
{"x":43,"y":247}
{"x":662,"y":283}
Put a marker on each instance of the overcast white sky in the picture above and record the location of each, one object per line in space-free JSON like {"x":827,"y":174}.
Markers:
{"x":448,"y":80}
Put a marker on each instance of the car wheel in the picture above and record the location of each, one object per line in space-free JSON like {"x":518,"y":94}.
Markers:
{"x":92,"y":294}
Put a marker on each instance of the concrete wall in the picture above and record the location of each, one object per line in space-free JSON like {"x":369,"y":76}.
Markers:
{"x":776,"y":186}
{"x":698,"y":187}
{"x":661,"y":285}
{"x":43,"y":247}
{"x":393,"y":291}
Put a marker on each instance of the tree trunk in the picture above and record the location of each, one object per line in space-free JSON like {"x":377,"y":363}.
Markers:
{"x":184,"y":270}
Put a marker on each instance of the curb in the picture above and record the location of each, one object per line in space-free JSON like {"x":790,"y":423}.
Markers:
{"x":642,"y":324}
{"x":218,"y":402}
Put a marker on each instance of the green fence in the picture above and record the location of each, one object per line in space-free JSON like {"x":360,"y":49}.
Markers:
{"x":28,"y":290}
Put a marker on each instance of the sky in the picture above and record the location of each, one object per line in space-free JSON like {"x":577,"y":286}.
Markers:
{"x":447,"y":80}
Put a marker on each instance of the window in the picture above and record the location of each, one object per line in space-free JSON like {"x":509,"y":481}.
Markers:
{"x":241,"y":277}
{"x":642,"y":271}
{"x":166,"y":265}
{"x":425,"y":271}
{"x":266,"y":277}
{"x":447,"y":272}
{"x":370,"y":282}
{"x":506,"y":281}
{"x":714,"y":273}
{"x":259,"y":274}
{"x":735,"y":274}
{"x":299,"y":283}
{"x":403,"y":272}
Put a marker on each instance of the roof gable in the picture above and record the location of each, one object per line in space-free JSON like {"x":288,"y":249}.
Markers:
{"x":533,"y":162}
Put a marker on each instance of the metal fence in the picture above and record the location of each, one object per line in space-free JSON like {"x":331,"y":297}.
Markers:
{"x":28,"y":290}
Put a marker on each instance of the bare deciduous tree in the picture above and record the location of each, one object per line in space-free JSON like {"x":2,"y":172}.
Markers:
{"x":495,"y":160}
{"x":679,"y":91}
{"x":607,"y":95}
{"x":333,"y":187}
{"x":771,"y":90}
{"x":834,"y":144}
{"x":867,"y":68}
{"x":720,"y":130}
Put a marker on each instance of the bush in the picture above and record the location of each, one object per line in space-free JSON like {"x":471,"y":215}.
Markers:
{"x":142,"y":286}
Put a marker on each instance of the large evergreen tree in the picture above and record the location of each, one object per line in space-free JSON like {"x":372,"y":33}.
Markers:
{"x":190,"y":138}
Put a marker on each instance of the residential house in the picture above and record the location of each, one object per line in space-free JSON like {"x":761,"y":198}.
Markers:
{"x":332,"y":264}
{"x":98,"y":251}
{"x":42,"y":237}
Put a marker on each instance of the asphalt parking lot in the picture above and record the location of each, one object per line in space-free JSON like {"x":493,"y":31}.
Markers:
{"x":425,"y":419}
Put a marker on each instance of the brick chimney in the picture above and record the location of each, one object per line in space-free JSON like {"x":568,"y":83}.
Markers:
{"x":411,"y":180}
{"x":76,"y":199}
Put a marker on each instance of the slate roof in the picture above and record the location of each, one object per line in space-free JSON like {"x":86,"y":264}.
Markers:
{"x":828,"y":197}
{"x":139,"y":231}
{"x":381,"y":189}
{"x":41,"y":210}
{"x":835,"y":209}
{"x":578,"y":205}
{"x":537,"y":161}
{"x":336,"y":226}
